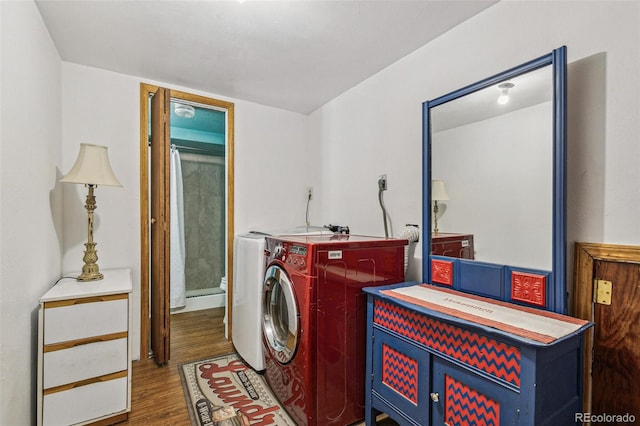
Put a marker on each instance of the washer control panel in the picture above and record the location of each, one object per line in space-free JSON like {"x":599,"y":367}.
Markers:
{"x":297,"y":256}
{"x":293,"y":255}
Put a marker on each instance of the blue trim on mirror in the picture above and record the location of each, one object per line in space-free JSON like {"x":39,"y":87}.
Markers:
{"x":559,"y":60}
{"x":557,"y":295}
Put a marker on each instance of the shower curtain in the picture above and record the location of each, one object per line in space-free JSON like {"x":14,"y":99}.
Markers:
{"x":177,"y":287}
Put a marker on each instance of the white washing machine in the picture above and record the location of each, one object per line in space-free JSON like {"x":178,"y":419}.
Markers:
{"x":248,"y":274}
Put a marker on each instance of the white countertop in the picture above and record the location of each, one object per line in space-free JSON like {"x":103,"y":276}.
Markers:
{"x":115,"y":281}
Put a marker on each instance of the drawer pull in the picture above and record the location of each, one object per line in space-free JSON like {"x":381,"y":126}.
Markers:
{"x":82,"y":300}
{"x":435,"y":396}
{"x":90,"y":381}
{"x":84,"y":341}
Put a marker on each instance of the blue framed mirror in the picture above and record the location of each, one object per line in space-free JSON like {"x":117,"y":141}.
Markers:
{"x":494,"y":183}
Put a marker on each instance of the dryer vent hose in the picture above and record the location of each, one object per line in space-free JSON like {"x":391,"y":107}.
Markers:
{"x":411,"y":233}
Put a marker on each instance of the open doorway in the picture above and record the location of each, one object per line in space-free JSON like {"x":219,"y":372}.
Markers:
{"x":203,"y":157}
{"x":197,"y":207}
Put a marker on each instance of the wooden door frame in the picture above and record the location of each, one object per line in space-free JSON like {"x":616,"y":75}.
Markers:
{"x":585,"y":256}
{"x":146,"y":90}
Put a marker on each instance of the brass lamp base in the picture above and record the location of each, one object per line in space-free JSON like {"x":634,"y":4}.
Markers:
{"x":90,"y":270}
{"x":89,"y":276}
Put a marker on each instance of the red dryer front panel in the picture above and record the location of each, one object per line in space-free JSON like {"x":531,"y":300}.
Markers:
{"x":323,"y":383}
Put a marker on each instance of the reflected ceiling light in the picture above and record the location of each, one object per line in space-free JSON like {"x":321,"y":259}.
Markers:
{"x":184,"y":111}
{"x":504,"y":96}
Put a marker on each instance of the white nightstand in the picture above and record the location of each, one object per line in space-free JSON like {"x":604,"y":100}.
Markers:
{"x":84,"y":356}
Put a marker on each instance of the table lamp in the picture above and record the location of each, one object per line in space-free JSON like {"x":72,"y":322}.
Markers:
{"x":92,"y":168}
{"x":438,"y":193}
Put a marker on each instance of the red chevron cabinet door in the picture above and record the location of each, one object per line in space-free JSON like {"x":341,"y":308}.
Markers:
{"x":402,"y":375}
{"x":460,"y":398}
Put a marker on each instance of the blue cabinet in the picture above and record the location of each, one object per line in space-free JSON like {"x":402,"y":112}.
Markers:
{"x":440,"y":357}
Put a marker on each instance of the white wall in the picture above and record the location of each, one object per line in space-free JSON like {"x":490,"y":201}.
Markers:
{"x":376,"y":126}
{"x":498,"y":175}
{"x":272,"y":161}
{"x":30,"y":198}
{"x":275,"y":162}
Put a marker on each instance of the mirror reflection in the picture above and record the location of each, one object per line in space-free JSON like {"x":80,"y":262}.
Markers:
{"x":495,"y":160}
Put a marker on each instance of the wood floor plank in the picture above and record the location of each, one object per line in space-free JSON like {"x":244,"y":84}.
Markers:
{"x":157,"y":397}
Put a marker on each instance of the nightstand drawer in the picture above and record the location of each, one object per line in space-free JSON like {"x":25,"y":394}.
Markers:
{"x":79,"y":319}
{"x":82,"y":362}
{"x":90,"y":401}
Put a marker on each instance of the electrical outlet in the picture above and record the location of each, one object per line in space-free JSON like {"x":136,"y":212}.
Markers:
{"x":382,"y":182}
{"x":310,"y":193}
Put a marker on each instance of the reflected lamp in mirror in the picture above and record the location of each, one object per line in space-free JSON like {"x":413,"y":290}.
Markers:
{"x":92,"y":168}
{"x":438,"y":193}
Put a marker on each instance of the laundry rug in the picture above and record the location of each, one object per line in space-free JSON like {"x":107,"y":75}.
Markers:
{"x":227,"y":381}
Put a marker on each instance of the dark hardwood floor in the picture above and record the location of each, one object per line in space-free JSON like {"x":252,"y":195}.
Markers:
{"x":157,"y":397}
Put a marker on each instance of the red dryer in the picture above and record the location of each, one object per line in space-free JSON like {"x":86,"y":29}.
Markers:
{"x":314,"y":320}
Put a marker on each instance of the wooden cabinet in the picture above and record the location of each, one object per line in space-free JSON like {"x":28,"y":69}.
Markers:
{"x":437,"y":356}
{"x":84,"y":361}
{"x":452,"y":245}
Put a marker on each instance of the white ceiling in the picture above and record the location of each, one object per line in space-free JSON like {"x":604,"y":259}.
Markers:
{"x":294,"y":55}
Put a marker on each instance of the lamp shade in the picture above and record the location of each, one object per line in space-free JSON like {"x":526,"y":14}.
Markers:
{"x":92,"y":167}
{"x":438,"y":192}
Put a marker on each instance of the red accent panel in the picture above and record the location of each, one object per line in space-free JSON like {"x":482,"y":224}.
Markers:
{"x":466,"y":406}
{"x":400,"y":373}
{"x":529,"y":288}
{"x":442,"y":271}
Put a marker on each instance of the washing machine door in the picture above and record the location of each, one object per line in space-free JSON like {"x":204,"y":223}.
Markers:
{"x":280,"y":314}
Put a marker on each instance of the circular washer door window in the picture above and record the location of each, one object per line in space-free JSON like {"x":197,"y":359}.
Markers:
{"x":280,"y":314}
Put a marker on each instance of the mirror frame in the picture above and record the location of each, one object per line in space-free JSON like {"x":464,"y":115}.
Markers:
{"x":555,"y":280}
